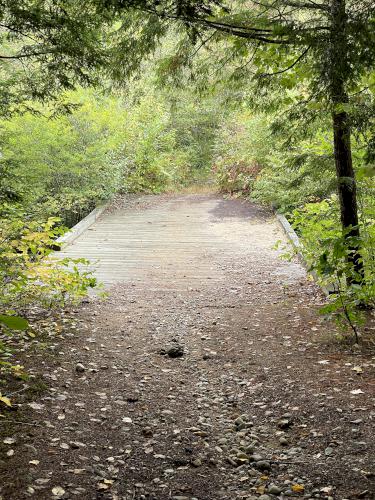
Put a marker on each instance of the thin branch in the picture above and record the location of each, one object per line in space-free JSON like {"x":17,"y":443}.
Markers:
{"x":226,"y":25}
{"x":303,"y":5}
{"x":289,"y":67}
{"x":346,"y":312}
{"x":23,"y":56}
{"x":249,"y":61}
{"x":14,"y":30}
{"x":359,"y":92}
{"x":248,"y":35}
{"x":204,"y":42}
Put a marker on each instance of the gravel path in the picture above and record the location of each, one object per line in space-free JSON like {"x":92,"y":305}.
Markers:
{"x":206,"y":374}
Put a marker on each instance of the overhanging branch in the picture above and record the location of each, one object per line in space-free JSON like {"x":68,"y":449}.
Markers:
{"x":25,"y":56}
{"x":299,"y":58}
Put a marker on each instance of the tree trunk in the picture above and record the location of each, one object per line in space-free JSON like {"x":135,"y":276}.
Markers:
{"x":346,"y":183}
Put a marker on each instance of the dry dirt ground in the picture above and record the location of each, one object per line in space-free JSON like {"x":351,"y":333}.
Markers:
{"x":207,"y":375}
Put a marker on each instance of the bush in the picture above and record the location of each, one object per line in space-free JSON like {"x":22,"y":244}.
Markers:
{"x":64,"y":166}
{"x":151,"y":161}
{"x":27,"y":273}
{"x":241,"y":151}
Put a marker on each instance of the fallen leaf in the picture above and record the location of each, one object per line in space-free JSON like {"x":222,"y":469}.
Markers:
{"x":58,"y":492}
{"x":5,"y":400}
{"x":78,"y":471}
{"x":36,"y":406}
{"x":298,"y":488}
{"x":327,"y":489}
{"x":102,"y":486}
{"x":9,"y":441}
{"x":357,"y":369}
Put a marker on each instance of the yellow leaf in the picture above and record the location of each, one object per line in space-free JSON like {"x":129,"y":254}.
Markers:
{"x":5,"y":400}
{"x":17,"y":368}
{"x":298,"y":488}
{"x":261,"y":489}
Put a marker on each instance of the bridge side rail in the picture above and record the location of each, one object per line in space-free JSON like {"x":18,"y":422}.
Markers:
{"x":81,"y":226}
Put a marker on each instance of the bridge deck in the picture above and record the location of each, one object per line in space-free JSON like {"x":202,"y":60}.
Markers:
{"x":169,"y":244}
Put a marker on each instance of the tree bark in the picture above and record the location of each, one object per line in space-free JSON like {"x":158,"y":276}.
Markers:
{"x":346,"y":183}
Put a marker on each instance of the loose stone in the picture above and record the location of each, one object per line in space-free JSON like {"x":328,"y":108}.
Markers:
{"x":80,"y":368}
{"x":263,"y":465}
{"x":274,"y":490}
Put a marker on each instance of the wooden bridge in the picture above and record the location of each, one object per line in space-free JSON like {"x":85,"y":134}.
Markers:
{"x":170,"y":242}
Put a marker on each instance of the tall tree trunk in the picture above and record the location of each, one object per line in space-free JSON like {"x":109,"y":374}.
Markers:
{"x":346,"y":183}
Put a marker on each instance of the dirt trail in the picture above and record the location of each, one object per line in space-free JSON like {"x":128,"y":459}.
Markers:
{"x":205,"y":374}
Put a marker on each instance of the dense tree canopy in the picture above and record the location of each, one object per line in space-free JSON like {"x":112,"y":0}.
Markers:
{"x":47,"y":47}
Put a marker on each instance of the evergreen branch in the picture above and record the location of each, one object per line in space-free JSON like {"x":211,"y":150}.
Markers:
{"x":303,"y":5}
{"x":246,"y":34}
{"x":227,"y":25}
{"x":299,"y":58}
{"x":249,"y":33}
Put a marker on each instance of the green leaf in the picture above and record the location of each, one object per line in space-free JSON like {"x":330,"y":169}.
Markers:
{"x":14,"y":322}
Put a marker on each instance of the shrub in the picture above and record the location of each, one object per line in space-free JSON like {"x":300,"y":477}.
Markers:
{"x":241,"y":152}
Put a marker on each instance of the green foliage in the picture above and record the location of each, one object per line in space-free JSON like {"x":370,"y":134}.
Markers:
{"x":196,"y":123}
{"x":329,"y":253}
{"x":241,"y":151}
{"x":28,"y":273}
{"x":30,"y":276}
{"x":47,"y":47}
{"x":152,"y":161}
{"x":13,"y":322}
{"x":66,"y":165}
{"x":296,"y":174}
